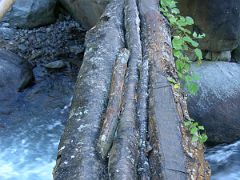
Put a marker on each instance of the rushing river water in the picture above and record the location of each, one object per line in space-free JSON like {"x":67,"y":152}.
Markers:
{"x":225,"y":161}
{"x":30,"y":127}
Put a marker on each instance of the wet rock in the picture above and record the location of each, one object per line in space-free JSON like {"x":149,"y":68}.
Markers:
{"x":15,"y":75}
{"x":5,"y":24}
{"x":218,"y":19}
{"x":31,"y":123}
{"x":6,"y":33}
{"x":216,"y":105}
{"x":56,"y":64}
{"x":219,"y":56}
{"x":236,"y":55}
{"x":87,"y":12}
{"x":31,"y":13}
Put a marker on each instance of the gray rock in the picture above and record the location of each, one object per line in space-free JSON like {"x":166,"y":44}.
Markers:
{"x":217,"y":103}
{"x":15,"y":74}
{"x":218,"y":19}
{"x":31,"y":13}
{"x":87,"y":12}
{"x":55,"y":65}
{"x":76,"y":49}
{"x":219,"y":56}
{"x":236,"y":55}
{"x":6,"y":33}
{"x":5,"y":25}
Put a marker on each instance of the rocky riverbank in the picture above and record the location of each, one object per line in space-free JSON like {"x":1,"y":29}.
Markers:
{"x":32,"y":121}
{"x":63,"y":40}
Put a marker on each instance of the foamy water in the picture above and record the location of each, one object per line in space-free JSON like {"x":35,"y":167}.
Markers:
{"x":225,"y":161}
{"x":30,"y":152}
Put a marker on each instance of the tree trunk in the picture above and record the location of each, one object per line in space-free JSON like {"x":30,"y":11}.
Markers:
{"x":78,"y":157}
{"x":145,"y":137}
{"x":5,"y":6}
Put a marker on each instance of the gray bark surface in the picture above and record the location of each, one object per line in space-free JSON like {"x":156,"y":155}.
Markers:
{"x":150,"y":112}
{"x":78,"y":157}
{"x":123,"y":157}
{"x":110,"y":122}
{"x":167,"y":158}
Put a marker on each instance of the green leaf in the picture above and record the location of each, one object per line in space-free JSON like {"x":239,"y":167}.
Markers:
{"x":171,"y":80}
{"x":192,"y":88}
{"x":195,"y":35}
{"x":194,"y":138}
{"x":175,"y":11}
{"x":189,"y":21}
{"x":188,"y":78}
{"x":203,"y":138}
{"x":187,"y":123}
{"x":177,"y":42}
{"x":191,"y":41}
{"x":172,"y":20}
{"x":176,"y":86}
{"x":180,"y":65}
{"x":182,"y":21}
{"x":194,"y":130}
{"x":177,"y":53}
{"x":198,"y":53}
{"x":201,"y":128}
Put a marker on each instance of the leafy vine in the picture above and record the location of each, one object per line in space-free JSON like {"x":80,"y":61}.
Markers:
{"x":184,"y":42}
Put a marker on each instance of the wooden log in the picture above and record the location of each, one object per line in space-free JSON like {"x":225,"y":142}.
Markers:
{"x":170,"y":157}
{"x":5,"y":5}
{"x":114,"y":104}
{"x":142,"y":106}
{"x":123,"y":157}
{"x":78,"y":157}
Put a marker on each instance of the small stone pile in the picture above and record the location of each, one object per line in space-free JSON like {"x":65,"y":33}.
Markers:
{"x":61,"y":40}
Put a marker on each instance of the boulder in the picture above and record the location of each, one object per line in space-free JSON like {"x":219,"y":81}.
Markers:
{"x":218,"y":19}
{"x":15,"y":73}
{"x":216,"y":106}
{"x":236,"y":55}
{"x":31,"y":13}
{"x":87,"y":12}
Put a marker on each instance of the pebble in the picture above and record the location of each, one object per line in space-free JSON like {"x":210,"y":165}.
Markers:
{"x":56,"y":65}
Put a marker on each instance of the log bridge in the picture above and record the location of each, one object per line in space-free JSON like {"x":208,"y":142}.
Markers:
{"x":126,"y":120}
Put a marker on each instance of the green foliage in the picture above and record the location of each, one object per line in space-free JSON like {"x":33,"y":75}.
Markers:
{"x":196,"y":131}
{"x":183,"y":42}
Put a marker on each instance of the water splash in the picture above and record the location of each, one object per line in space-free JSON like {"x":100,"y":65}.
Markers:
{"x":225,"y":161}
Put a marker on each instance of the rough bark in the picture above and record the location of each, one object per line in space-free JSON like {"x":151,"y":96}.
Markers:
{"x":150,"y":109}
{"x":114,"y":105}
{"x":5,"y":6}
{"x":142,"y":106}
{"x":168,"y":158}
{"x":123,"y":157}
{"x":78,"y":157}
